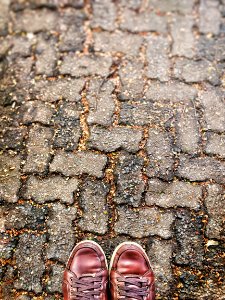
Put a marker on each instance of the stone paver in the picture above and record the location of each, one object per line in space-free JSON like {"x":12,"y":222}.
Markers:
{"x":145,"y":222}
{"x":114,"y":139}
{"x":70,"y":164}
{"x":95,"y":212}
{"x":112,"y":124}
{"x":173,"y":194}
{"x":10,"y":177}
{"x":50,"y":189}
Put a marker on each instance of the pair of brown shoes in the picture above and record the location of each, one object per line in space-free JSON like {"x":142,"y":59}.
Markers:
{"x":86,"y":275}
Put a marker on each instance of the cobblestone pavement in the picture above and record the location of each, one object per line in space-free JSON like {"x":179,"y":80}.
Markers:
{"x":112,"y":128}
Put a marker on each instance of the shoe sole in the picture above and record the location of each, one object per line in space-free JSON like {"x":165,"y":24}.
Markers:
{"x":126,"y":243}
{"x":92,"y":242}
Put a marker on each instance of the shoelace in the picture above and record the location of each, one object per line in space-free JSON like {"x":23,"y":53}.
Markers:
{"x":85,"y":288}
{"x":133,"y":287}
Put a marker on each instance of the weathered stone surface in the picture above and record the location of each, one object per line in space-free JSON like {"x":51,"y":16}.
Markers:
{"x":181,"y":6}
{"x":215,"y":204}
{"x":160,"y":153}
{"x":7,"y":243}
{"x":86,"y":65}
{"x":213,"y":110}
{"x":201,"y":168}
{"x":104,"y":14}
{"x":67,"y":125}
{"x":183,"y":39}
{"x":37,"y":111}
{"x":46,"y":56}
{"x":215,"y":144}
{"x":143,"y":112}
{"x":129,"y":181}
{"x":211,"y":48}
{"x":173,"y":194}
{"x":173,"y":92}
{"x":61,"y":234}
{"x":29,"y":262}
{"x":72,"y":35}
{"x":12,"y":138}
{"x":132,"y":79}
{"x":52,"y":91}
{"x":22,"y":46}
{"x":189,"y":239}
{"x":196,"y":71}
{"x":25,"y":216}
{"x":144,"y":222}
{"x":157,"y":57}
{"x":209,"y":16}
{"x":101,"y":102}
{"x":115,"y":138}
{"x":111,"y":42}
{"x":187,"y":129}
{"x":38,"y":149}
{"x":54,"y":284}
{"x":4,"y":16}
{"x":71,"y":164}
{"x":145,"y":21}
{"x":160,"y":254}
{"x":93,"y":203}
{"x":51,"y":189}
{"x":31,"y":21}
{"x":9,"y":177}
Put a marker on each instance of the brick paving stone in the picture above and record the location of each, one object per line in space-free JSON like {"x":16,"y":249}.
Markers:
{"x":181,"y":6}
{"x":215,"y":203}
{"x":132,"y":79}
{"x":145,"y":21}
{"x":213,"y":110}
{"x":101,"y":102}
{"x":51,"y":189}
{"x":23,"y":297}
{"x":46,"y":56}
{"x":25,"y":216}
{"x":52,"y":91}
{"x":8,"y":243}
{"x":61,"y":233}
{"x":171,"y":92}
{"x":38,"y":149}
{"x":31,"y":21}
{"x":129,"y":181}
{"x":55,"y":281}
{"x":160,"y":153}
{"x":37,"y":111}
{"x":22,"y":46}
{"x":211,"y":48}
{"x":4,"y":15}
{"x":111,"y":42}
{"x":144,"y":222}
{"x":29,"y":256}
{"x":157,"y":57}
{"x":178,"y":193}
{"x":210,"y":17}
{"x":201,"y":168}
{"x":116,"y":138}
{"x":196,"y":71}
{"x":10,"y":177}
{"x":142,"y":112}
{"x":187,"y":129}
{"x":190,"y":242}
{"x":104,"y":14}
{"x":67,"y":125}
{"x":183,"y":38}
{"x":72,"y":164}
{"x":160,"y":254}
{"x":12,"y":138}
{"x":72,"y":35}
{"x":86,"y":65}
{"x":215,"y":144}
{"x":95,"y":211}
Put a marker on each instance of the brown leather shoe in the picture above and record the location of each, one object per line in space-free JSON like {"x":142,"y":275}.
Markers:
{"x":86,"y":273}
{"x":131,"y":276}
